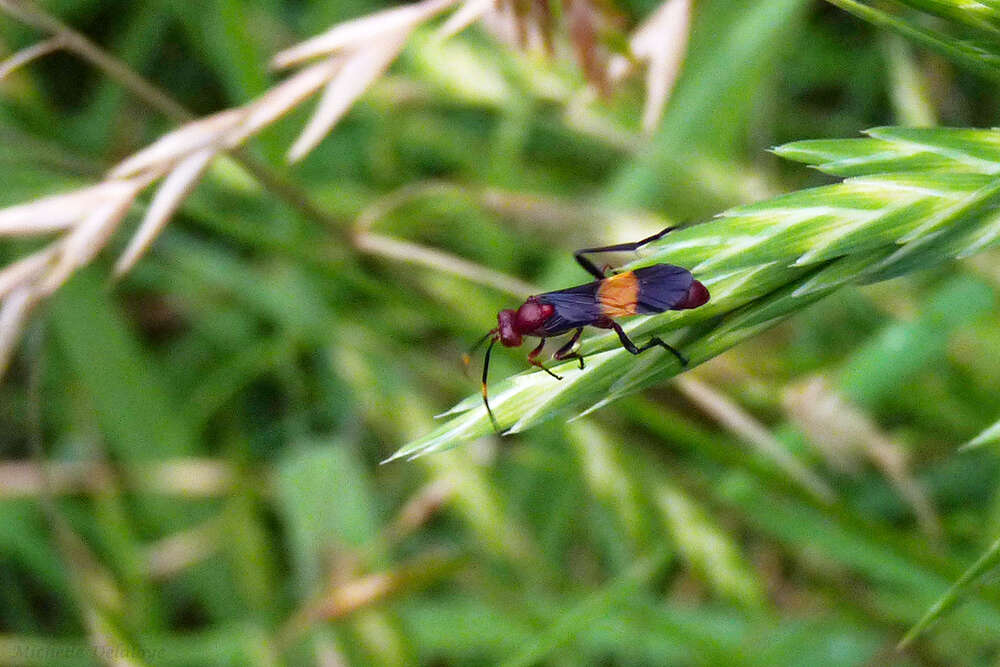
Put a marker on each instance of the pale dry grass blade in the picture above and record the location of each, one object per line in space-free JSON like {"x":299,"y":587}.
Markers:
{"x":175,"y":187}
{"x":27,"y":269}
{"x":185,"y":477}
{"x":355,"y":54}
{"x":744,"y":426}
{"x":86,"y":240}
{"x":172,"y":555}
{"x":423,"y":505}
{"x":27,"y":479}
{"x":356,"y":74}
{"x":523,"y":28}
{"x":284,"y":97}
{"x":501,"y":24}
{"x":386,"y":246}
{"x":180,"y":143}
{"x":580,"y":116}
{"x":59,"y":212}
{"x":662,"y":41}
{"x":584,"y":25}
{"x":362,"y":32}
{"x":345,"y":597}
{"x":442,"y":261}
{"x":33,"y":52}
{"x":13,"y":315}
{"x":843,"y":432}
{"x":470,"y":12}
{"x":659,"y":43}
{"x":813,"y":407}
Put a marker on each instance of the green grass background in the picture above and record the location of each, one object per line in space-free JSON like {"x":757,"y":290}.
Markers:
{"x":279,"y":365}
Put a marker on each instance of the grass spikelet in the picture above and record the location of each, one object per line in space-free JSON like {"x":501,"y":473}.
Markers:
{"x":903,"y":209}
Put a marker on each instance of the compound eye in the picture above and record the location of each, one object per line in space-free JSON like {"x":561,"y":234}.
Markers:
{"x":510,"y":338}
{"x":507,"y":321}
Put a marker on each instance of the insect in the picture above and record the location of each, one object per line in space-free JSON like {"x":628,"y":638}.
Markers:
{"x":644,"y":291}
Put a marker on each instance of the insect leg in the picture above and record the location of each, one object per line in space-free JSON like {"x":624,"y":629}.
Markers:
{"x":535,"y":362}
{"x":631,"y":347}
{"x":592,"y":269}
{"x":566,"y":351}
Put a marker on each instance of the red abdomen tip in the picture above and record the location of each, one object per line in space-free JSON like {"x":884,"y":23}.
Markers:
{"x":697,"y":296}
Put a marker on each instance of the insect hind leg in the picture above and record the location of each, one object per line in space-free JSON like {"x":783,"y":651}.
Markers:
{"x":653,"y":342}
{"x":592,"y":269}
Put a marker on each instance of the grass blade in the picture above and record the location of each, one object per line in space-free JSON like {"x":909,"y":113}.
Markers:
{"x":988,"y":436}
{"x":989,"y":560}
{"x":968,"y":55}
{"x":594,"y":607}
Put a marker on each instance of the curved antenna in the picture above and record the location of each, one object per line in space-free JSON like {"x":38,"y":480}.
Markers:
{"x":467,"y":356}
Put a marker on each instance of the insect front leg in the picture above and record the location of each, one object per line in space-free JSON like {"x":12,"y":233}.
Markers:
{"x":532,"y":359}
{"x":566,"y":351}
{"x":654,"y":341}
{"x":592,"y":269}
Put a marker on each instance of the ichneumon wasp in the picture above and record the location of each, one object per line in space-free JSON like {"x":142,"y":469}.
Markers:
{"x":644,"y":291}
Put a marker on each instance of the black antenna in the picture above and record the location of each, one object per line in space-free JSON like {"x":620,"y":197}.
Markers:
{"x":467,"y":357}
{"x":486,"y":400}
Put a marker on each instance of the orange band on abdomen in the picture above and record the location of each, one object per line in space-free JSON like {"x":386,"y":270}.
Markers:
{"x":619,"y":295}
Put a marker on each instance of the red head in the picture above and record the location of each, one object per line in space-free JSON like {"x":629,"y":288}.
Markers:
{"x":515,"y":324}
{"x":512,"y":326}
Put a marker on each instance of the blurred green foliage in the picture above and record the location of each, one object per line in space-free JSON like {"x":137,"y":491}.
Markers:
{"x":218,"y":416}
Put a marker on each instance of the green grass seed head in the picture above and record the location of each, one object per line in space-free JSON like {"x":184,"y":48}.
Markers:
{"x":914,"y":198}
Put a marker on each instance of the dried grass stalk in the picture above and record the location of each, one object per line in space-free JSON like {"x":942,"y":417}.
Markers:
{"x":350,"y":57}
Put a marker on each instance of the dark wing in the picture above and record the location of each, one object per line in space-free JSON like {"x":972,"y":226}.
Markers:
{"x":661,"y":287}
{"x":575,"y":307}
